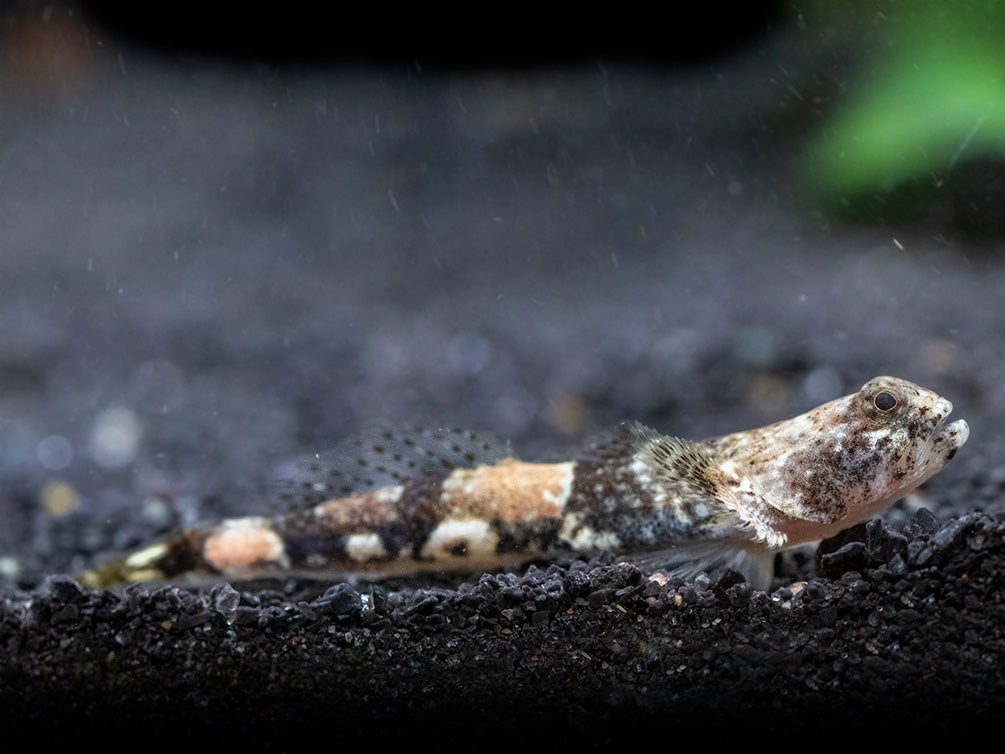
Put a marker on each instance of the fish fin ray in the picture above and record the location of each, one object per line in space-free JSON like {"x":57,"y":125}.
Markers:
{"x":685,"y":463}
{"x":382,"y":457}
{"x":688,"y":559}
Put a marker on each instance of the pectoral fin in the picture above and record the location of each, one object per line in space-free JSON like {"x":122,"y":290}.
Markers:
{"x":689,"y":559}
{"x":693,"y":466}
{"x":684,"y":462}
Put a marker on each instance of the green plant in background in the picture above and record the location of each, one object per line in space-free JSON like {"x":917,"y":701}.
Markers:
{"x":931,"y":104}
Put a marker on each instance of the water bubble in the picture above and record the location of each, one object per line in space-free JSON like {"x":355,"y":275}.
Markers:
{"x":54,"y":452}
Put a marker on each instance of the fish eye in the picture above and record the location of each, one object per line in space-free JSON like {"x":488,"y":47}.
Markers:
{"x":884,"y":401}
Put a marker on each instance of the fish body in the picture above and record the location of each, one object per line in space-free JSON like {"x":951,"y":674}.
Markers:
{"x":733,"y":500}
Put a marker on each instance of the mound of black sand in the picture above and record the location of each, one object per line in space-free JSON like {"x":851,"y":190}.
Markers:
{"x":900,"y":631}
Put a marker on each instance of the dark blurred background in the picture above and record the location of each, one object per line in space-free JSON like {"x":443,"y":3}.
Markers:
{"x":491,"y":35}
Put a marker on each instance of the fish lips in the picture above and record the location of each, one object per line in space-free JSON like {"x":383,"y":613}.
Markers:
{"x":949,"y":438}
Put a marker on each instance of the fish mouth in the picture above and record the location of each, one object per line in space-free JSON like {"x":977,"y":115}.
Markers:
{"x":954,"y":434}
{"x":958,"y":432}
{"x":950,"y":438}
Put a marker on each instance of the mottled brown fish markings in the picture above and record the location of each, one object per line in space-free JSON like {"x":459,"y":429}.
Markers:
{"x":733,"y":500}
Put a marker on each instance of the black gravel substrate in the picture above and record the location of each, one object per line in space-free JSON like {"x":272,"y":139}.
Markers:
{"x":900,"y":629}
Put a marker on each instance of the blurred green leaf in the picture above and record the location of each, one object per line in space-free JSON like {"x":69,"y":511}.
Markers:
{"x":935,"y":101}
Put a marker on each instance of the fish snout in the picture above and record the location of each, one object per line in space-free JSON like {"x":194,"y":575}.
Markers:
{"x":957,"y":432}
{"x":942,"y":408}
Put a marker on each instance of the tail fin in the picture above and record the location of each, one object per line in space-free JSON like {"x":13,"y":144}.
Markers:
{"x":178,"y":554}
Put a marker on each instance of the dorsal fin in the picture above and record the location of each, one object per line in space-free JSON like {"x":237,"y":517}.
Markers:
{"x":382,"y":457}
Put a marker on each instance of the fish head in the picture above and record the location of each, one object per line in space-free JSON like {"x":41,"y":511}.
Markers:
{"x":873,"y":447}
{"x":897,"y":435}
{"x":846,"y":460}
